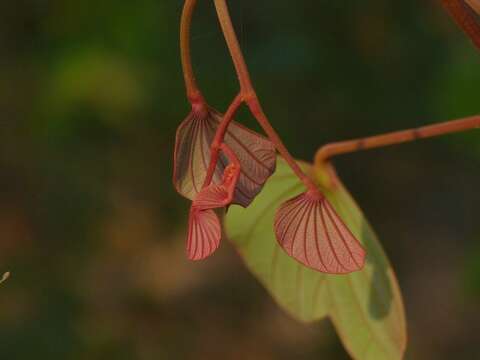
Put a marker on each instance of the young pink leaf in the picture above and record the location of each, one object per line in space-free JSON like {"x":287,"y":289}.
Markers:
{"x":212,"y":197}
{"x":204,"y":230}
{"x":308,"y":229}
{"x":204,"y":233}
{"x":217,"y":196}
{"x":192,"y":156}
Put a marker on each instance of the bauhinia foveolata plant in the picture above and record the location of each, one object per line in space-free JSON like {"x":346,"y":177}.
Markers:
{"x":218,"y":162}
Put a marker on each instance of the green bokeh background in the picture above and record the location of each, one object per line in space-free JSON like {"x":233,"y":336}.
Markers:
{"x":91,"y":94}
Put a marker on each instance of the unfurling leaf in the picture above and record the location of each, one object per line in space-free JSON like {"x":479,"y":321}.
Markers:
{"x":256,"y":154}
{"x":365,"y":306}
{"x":204,"y":233}
{"x":217,"y":196}
{"x":309,"y":229}
{"x":204,"y":229}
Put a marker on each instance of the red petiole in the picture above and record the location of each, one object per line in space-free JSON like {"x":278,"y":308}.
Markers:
{"x":457,"y":8}
{"x":397,"y":137}
{"x":463,"y":11}
{"x":219,"y":136}
{"x":249,"y":95}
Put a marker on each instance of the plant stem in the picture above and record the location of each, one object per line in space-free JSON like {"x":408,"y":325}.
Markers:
{"x":234,"y":47}
{"x":474,"y":4}
{"x":249,"y":94}
{"x":193,"y":93}
{"x":256,"y":109}
{"x":398,"y":137}
{"x":219,"y":136}
{"x":465,"y":17}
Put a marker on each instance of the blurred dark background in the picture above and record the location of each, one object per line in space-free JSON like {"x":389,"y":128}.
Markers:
{"x":91,"y":94}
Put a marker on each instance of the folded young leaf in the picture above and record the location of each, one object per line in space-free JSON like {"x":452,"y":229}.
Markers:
{"x":204,"y":233}
{"x":204,"y":230}
{"x":212,"y":197}
{"x":256,"y":154}
{"x":309,"y":230}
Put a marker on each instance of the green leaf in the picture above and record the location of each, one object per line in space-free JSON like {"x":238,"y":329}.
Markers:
{"x":366,"y":307}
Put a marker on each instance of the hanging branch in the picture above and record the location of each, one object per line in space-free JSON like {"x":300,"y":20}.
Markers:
{"x":249,"y":96}
{"x":393,"y":138}
{"x":303,"y":223}
{"x":466,"y":15}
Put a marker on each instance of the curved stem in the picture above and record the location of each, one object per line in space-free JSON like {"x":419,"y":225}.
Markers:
{"x":398,"y":137}
{"x":219,"y":136}
{"x":262,"y":119}
{"x":474,"y":4}
{"x":193,"y":93}
{"x":465,"y":17}
{"x":234,"y":46}
{"x":249,"y":95}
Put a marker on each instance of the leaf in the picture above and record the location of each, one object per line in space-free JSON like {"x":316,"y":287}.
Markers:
{"x":256,"y":154}
{"x":366,"y":307}
{"x":309,"y":230}
{"x":204,"y":234}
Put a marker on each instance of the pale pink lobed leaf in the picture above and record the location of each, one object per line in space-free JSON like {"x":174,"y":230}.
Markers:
{"x":255,"y":153}
{"x":309,"y":229}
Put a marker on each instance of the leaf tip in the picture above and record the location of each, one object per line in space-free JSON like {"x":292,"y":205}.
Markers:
{"x":204,"y":233}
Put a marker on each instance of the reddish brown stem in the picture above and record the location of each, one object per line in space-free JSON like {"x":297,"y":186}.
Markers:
{"x":234,"y":47}
{"x":474,"y":4}
{"x":465,"y":17}
{"x":398,"y":137}
{"x":219,"y":136}
{"x":249,"y":94}
{"x":262,"y":119}
{"x":193,"y":93}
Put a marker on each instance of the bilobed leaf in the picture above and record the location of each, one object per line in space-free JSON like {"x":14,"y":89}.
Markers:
{"x":366,"y":306}
{"x":195,"y":134}
{"x":294,"y":286}
{"x":309,"y":229}
{"x":204,"y":233}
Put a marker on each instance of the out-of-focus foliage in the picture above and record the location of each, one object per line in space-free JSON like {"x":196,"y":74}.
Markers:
{"x":91,"y":93}
{"x":366,"y":306}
